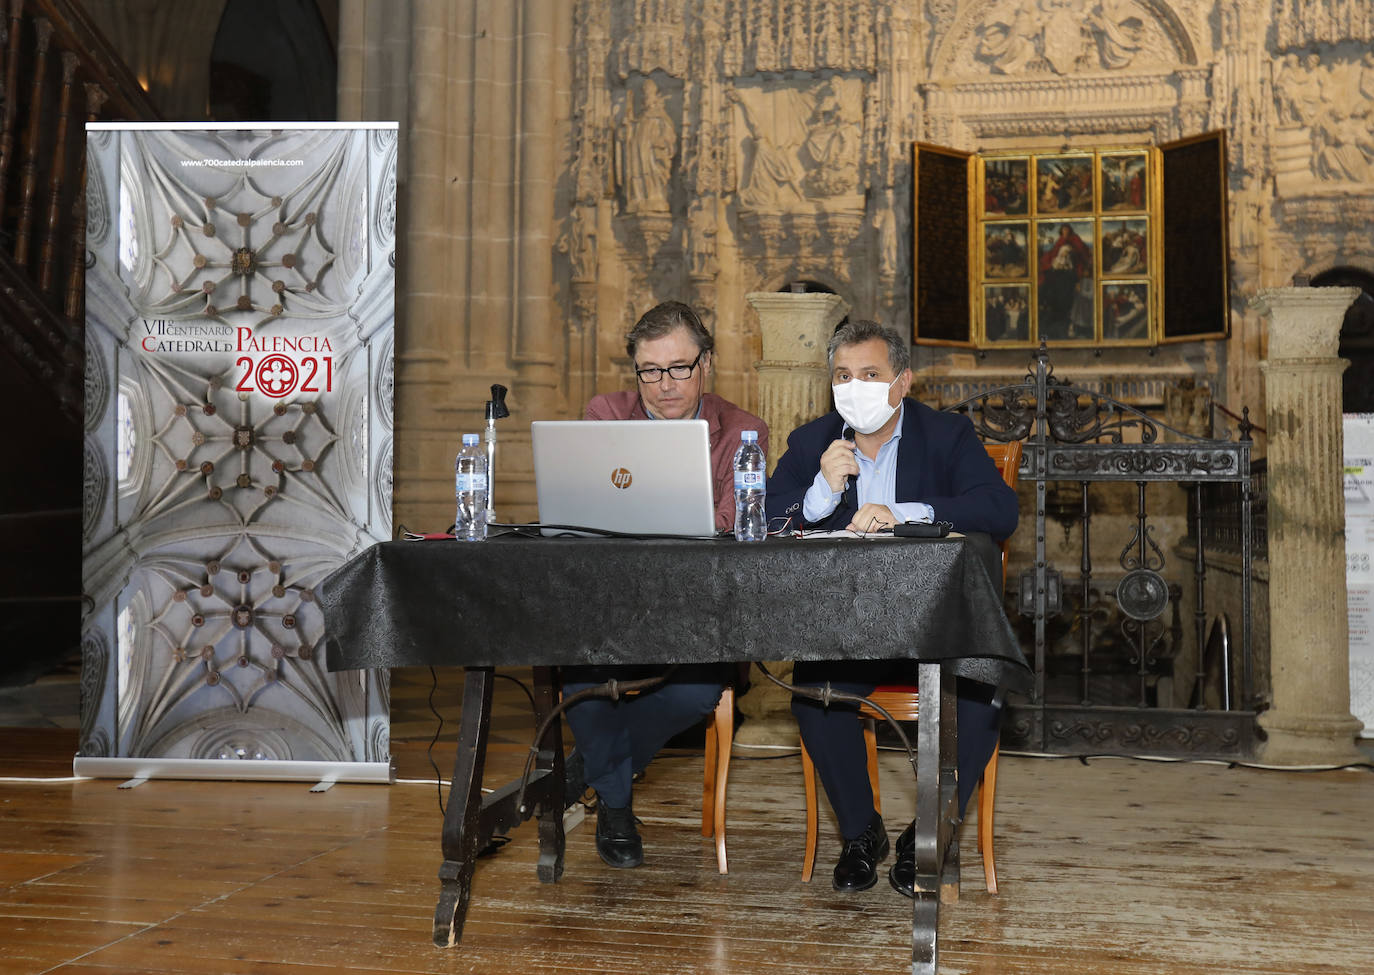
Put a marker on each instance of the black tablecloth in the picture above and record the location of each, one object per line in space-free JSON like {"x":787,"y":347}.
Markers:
{"x":516,"y":601}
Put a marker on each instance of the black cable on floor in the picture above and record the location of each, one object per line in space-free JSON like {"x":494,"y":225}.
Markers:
{"x":429,"y":752}
{"x":520,"y":684}
{"x":439,"y":728}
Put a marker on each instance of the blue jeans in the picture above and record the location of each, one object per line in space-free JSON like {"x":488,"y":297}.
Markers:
{"x":618,"y":738}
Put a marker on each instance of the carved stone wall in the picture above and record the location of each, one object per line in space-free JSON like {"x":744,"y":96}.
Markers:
{"x":572,"y":164}
{"x":726,"y":146}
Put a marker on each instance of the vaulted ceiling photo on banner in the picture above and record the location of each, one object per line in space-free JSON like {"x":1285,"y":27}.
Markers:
{"x":240,"y":295}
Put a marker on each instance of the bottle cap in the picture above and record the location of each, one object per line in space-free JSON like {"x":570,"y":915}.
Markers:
{"x":469,"y":439}
{"x":749,"y":436}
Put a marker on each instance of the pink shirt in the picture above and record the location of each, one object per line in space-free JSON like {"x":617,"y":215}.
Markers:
{"x":724,"y":422}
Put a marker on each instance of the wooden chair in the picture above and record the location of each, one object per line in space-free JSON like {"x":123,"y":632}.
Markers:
{"x":901,"y":701}
{"x":720,"y":736}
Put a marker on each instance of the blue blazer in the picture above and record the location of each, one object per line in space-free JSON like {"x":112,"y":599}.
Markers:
{"x":940,"y":461}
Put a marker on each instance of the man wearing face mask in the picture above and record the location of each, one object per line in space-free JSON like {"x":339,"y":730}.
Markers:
{"x":878,"y":460}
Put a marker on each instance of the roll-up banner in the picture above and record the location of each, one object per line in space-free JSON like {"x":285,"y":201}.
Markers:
{"x":240,"y":308}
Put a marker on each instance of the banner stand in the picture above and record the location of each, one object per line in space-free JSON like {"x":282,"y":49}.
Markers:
{"x":382,"y":773}
{"x":240,"y":318}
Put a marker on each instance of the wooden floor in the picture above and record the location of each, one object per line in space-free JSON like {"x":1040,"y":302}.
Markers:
{"x":1113,"y":866}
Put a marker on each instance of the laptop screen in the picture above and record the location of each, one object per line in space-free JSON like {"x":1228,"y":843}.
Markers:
{"x":638,"y":477}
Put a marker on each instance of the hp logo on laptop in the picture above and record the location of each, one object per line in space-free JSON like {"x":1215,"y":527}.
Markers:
{"x":621,"y":478}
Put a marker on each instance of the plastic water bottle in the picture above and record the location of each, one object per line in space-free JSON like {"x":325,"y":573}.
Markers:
{"x":470,"y":486}
{"x":751,"y":524}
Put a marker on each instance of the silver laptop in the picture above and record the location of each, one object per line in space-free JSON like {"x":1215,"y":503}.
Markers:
{"x":639,"y":477}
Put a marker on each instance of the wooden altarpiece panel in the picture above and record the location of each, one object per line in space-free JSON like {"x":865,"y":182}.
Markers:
{"x":1158,"y":256}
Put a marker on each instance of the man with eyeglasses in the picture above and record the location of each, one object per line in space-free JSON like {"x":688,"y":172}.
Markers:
{"x":672,"y":355}
{"x":879,"y":459}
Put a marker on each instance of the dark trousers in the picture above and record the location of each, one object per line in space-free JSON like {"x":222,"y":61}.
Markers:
{"x":618,"y":738}
{"x":834,"y":735}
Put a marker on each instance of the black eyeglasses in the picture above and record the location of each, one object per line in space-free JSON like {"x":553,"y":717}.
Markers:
{"x":654,"y":374}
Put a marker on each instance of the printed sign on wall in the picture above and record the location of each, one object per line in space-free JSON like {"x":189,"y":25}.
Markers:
{"x":240,"y":295}
{"x":1359,"y":562}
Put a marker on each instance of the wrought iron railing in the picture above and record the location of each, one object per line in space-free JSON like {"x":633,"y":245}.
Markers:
{"x":1221,"y":504}
{"x":1081,"y":436}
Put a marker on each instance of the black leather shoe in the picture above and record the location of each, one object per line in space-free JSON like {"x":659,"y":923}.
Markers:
{"x":902,"y":874}
{"x":907,"y":840}
{"x":617,"y":839}
{"x":857,"y":868}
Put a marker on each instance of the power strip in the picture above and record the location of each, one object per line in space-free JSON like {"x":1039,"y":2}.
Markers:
{"x":573,"y":816}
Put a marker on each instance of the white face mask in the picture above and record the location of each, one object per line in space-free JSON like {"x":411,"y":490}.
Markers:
{"x":864,"y":405}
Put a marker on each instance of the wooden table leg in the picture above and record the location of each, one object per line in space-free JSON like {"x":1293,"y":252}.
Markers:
{"x":937,"y":798}
{"x":949,"y":789}
{"x":463,"y":812}
{"x":550,"y":762}
{"x":471,"y":819}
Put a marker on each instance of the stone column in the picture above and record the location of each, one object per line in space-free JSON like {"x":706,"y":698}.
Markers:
{"x":794,"y":387}
{"x":475,"y":296}
{"x":794,"y":380}
{"x":1310,"y":722}
{"x":374,"y":61}
{"x":537,"y":339}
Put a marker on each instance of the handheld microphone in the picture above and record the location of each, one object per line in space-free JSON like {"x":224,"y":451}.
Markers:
{"x":851,"y":491}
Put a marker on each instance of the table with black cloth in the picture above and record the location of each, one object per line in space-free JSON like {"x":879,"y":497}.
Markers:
{"x":547,"y":602}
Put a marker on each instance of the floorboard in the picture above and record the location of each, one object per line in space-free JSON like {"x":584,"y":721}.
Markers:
{"x":1106,"y":867}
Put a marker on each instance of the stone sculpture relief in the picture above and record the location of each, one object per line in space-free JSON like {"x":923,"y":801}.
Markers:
{"x":1344,"y":147}
{"x":579,"y":244}
{"x":651,"y":35}
{"x":701,"y":247}
{"x":831,"y":150}
{"x":647,"y":152}
{"x":884,"y":220}
{"x":803,"y":35}
{"x":1334,"y":103}
{"x":1298,"y":23}
{"x":1064,"y":36}
{"x":771,"y":178}
{"x":799,"y":147}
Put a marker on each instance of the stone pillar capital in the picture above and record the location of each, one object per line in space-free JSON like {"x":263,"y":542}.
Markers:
{"x":1304,"y":322}
{"x":796,"y":326}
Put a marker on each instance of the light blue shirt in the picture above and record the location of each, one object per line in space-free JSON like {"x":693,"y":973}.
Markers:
{"x":877,"y":484}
